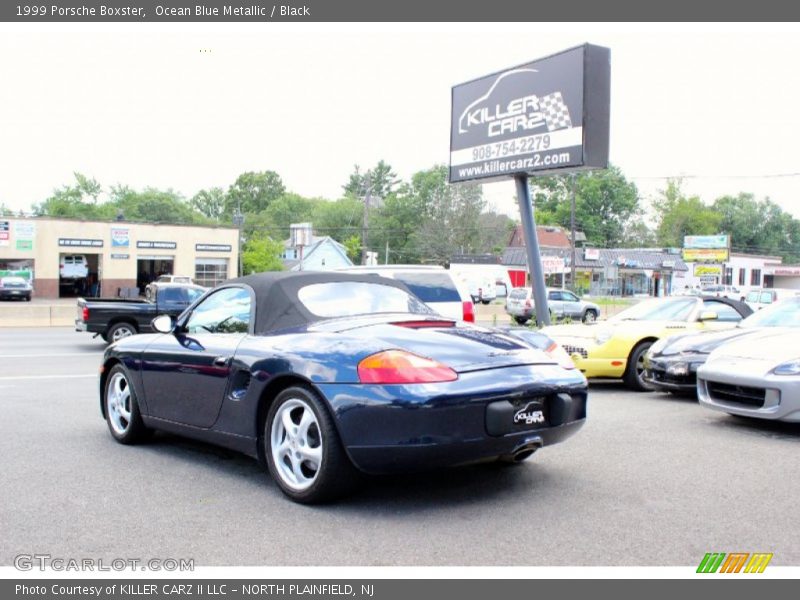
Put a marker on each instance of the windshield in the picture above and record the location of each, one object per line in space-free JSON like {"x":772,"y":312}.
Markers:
{"x":349,"y":298}
{"x":782,"y":314}
{"x":662,"y":309}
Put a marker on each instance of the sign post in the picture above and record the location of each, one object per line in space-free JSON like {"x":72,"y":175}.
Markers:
{"x":544,"y":117}
{"x":532,"y":249}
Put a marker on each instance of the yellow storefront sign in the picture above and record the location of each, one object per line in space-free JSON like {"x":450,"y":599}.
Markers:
{"x":710,"y":255}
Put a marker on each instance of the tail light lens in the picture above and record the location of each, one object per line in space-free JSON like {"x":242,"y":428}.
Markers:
{"x":399,"y":366}
{"x":528,"y":304}
{"x":85,"y":315}
{"x":469,"y":312}
{"x":557,"y":353}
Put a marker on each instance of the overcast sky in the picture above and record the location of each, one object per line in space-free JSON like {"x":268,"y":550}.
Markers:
{"x":189,"y":106}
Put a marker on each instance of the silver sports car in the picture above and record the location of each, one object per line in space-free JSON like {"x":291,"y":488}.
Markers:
{"x":754,"y":376}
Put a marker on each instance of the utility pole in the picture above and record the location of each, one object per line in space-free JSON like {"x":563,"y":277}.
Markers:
{"x":386,"y":256}
{"x":572,"y":227}
{"x":238,"y":220}
{"x":365,"y":226}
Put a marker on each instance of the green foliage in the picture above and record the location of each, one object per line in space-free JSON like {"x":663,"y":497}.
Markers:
{"x":380,"y":181}
{"x":260,"y":254}
{"x":679,"y":216}
{"x":353,"y":247}
{"x":210,"y":203}
{"x":253,"y":192}
{"x":605,"y":203}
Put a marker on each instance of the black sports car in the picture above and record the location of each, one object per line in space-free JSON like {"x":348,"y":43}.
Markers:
{"x":325,"y":375}
{"x":672,"y":362}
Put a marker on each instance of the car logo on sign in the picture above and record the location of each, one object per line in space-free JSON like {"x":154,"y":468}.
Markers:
{"x":529,"y":415}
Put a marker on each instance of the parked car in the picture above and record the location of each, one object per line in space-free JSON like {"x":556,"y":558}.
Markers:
{"x":12,"y":288}
{"x":434,"y":285}
{"x":174,"y":279}
{"x":759,"y":298}
{"x":326,"y":375}
{"x":616,"y":348}
{"x":117,"y":318}
{"x":562,"y":304}
{"x":755,"y":376}
{"x":722,"y":291}
{"x":671,"y":363}
{"x":73,"y":266}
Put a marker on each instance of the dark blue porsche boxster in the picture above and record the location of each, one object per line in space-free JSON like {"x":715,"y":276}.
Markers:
{"x":326,"y":375}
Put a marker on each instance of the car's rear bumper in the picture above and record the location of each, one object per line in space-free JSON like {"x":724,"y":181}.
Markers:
{"x":390,"y":428}
{"x":14,"y":294}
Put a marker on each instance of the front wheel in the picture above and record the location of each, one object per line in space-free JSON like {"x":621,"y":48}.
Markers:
{"x":303,"y":450}
{"x":122,"y":408}
{"x":634,"y":373}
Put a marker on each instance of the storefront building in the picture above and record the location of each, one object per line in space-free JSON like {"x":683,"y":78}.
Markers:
{"x":65,"y":258}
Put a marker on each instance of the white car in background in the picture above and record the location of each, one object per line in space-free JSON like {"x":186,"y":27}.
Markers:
{"x":754,"y":376}
{"x":434,"y":285}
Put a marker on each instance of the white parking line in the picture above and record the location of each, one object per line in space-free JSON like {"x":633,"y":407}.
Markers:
{"x":21,"y":377}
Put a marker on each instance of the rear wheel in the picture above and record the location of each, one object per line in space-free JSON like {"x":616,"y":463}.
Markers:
{"x":590,"y":316}
{"x":303,"y":450}
{"x":122,"y":408}
{"x":521,"y":320}
{"x":634,"y":373}
{"x":120,"y":331}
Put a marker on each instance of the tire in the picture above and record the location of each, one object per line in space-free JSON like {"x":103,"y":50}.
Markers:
{"x":634,"y":370}
{"x":304,"y":453}
{"x":485,"y":301}
{"x":120,"y":331}
{"x":590,"y":316}
{"x":521,"y":320}
{"x":122,"y":408}
{"x":27,"y":298}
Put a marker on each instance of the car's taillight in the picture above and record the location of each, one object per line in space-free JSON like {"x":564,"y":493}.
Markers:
{"x":469,"y":311}
{"x":528,"y":304}
{"x":557,"y":353}
{"x":85,"y":315}
{"x":399,"y":366}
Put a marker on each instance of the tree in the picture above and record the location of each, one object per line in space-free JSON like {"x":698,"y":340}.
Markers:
{"x":679,"y":216}
{"x":71,"y":201}
{"x":253,"y":192}
{"x":353,"y":247}
{"x":760,"y":227}
{"x":260,"y":254}
{"x":380,"y":181}
{"x":210,"y":203}
{"x":450,"y":223}
{"x":604,"y":203}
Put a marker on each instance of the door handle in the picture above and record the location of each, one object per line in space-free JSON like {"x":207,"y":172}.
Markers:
{"x":222,"y":361}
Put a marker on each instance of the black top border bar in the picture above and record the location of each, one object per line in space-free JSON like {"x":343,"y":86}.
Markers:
{"x":182,"y":11}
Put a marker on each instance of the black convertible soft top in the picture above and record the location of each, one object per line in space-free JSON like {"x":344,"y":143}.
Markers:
{"x":277,"y":305}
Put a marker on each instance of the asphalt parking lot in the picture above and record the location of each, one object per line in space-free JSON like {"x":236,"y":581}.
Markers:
{"x":651,"y":480}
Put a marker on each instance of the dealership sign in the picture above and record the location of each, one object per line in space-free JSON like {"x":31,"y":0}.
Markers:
{"x":120,"y":237}
{"x":705,"y":241}
{"x":709,"y":255}
{"x":548,"y":115}
{"x":707,"y":270}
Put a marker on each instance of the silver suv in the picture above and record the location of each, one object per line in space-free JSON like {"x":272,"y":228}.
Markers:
{"x":563,"y":304}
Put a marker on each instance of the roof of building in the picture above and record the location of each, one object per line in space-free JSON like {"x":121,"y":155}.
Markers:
{"x":550,"y":236}
{"x":632,"y":258}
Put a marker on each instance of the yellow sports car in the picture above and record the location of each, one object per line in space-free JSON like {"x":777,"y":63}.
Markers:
{"x":615,"y":348}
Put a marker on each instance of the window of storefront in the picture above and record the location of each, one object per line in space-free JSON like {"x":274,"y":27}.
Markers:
{"x":728,"y":279}
{"x":742,"y":276}
{"x":210,"y":272}
{"x":755,"y":277}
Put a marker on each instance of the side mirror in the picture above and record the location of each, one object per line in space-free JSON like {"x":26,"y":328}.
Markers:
{"x":163,"y":324}
{"x":708,"y":315}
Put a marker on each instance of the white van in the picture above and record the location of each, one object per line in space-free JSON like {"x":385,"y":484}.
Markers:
{"x":760,"y":297}
{"x":73,"y":266}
